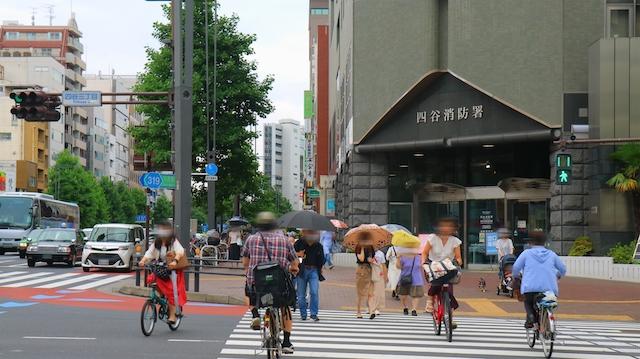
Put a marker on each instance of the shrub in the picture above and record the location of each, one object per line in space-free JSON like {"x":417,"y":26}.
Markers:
{"x":581,"y":247}
{"x":623,"y":253}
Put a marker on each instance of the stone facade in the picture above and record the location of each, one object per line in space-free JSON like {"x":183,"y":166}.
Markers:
{"x":568,"y":208}
{"x":362,"y":190}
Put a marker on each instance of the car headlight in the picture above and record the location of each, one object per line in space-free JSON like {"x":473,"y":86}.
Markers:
{"x":32,"y":248}
{"x":64,"y":249}
{"x":23,"y":245}
{"x":87,"y":247}
{"x":124,"y":248}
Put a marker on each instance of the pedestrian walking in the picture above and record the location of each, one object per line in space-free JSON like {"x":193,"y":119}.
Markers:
{"x":235,"y":242}
{"x":311,"y":254}
{"x":379,"y":280}
{"x":327,"y":240}
{"x":411,"y":282}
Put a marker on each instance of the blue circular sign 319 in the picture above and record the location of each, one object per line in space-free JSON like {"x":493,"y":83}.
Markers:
{"x":152,"y":180}
{"x":211,"y":169}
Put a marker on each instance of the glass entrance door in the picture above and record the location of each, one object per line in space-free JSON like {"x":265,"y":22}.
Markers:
{"x":431,"y":211}
{"x":525,"y":217}
{"x":483,"y":216}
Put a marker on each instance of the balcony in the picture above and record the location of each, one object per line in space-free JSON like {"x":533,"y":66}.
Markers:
{"x":72,"y":59}
{"x":75,"y":43}
{"x":81,"y":80}
{"x":71,"y":75}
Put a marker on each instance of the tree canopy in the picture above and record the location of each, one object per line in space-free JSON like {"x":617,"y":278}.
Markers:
{"x":241,"y":100}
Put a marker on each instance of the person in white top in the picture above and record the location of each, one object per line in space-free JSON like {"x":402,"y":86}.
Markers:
{"x":440,"y":246}
{"x":504,"y":243}
{"x":168,"y":249}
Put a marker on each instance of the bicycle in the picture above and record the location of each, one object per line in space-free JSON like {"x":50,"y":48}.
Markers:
{"x":157,"y":307}
{"x":545,"y":329}
{"x":443,"y":313}
{"x":271,"y":328}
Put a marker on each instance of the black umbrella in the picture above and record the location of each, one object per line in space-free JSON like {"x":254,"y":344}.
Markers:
{"x":306,"y":220}
{"x":237,"y":221}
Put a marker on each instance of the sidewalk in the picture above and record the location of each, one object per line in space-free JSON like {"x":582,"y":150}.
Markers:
{"x":580,"y":298}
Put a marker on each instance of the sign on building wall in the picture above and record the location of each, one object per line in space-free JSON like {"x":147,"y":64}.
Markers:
{"x":308,"y":104}
{"x":7,"y":176}
{"x":309,"y":157}
{"x":449,"y":114}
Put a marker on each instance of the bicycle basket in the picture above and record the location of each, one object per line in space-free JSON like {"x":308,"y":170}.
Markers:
{"x":161,"y":272}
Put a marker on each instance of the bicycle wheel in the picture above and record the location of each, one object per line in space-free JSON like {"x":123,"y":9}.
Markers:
{"x":148,"y":317}
{"x":275,"y":348}
{"x":209,"y":252}
{"x":548,"y":332}
{"x":448,"y":316}
{"x":176,"y":325}
{"x":531,"y":337}
{"x":436,"y":315}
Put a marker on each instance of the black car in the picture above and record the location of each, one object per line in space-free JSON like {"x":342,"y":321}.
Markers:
{"x":56,"y":245}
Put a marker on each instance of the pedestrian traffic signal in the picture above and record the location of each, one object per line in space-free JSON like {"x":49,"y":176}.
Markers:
{"x":563,"y":177}
{"x":35,"y":106}
{"x":563,"y":169}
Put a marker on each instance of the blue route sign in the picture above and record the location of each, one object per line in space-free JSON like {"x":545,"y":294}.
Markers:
{"x":152,"y":180}
{"x":82,"y":98}
{"x":155,"y":180}
{"x":141,"y":218}
{"x":211,"y":169}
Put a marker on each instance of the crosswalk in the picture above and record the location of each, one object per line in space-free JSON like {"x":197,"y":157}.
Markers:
{"x":51,"y":280}
{"x":340,"y":335}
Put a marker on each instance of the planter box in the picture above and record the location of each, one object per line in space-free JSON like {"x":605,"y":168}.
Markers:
{"x":601,"y":268}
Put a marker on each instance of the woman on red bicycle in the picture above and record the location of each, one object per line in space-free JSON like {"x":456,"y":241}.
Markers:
{"x":440,"y":246}
{"x":168,"y":249}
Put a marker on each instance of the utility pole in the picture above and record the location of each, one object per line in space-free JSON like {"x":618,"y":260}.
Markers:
{"x":211,"y":155}
{"x":183,"y":116}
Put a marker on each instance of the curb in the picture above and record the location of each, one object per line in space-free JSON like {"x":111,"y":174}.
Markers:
{"x":191,"y":296}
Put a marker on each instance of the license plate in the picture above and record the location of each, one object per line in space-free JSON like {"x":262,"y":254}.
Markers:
{"x":103,"y":262}
{"x":46,"y":256}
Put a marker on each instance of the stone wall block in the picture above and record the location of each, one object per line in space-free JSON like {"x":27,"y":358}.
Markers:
{"x":379,"y":182}
{"x":379,"y":195}
{"x":567,"y":202}
{"x":360,"y":169}
{"x":361,"y":195}
{"x":379,"y":208}
{"x":360,"y":182}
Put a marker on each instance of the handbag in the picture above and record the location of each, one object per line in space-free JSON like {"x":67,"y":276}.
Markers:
{"x":376,"y":273}
{"x":183,"y":262}
{"x":441,"y":272}
{"x":407,"y":279}
{"x":161,"y":271}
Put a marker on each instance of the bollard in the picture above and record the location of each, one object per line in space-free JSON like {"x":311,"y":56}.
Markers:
{"x":186,"y":281}
{"x":138,"y":270}
{"x":196,"y":275}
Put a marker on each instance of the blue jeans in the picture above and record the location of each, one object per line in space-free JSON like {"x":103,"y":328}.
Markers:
{"x":327,"y":259}
{"x":309,"y":278}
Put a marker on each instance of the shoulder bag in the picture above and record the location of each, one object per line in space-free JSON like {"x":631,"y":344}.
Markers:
{"x":407,"y":279}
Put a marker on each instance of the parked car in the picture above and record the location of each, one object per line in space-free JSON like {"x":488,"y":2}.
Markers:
{"x":32,"y":237}
{"x":56,"y":245}
{"x":112,"y":246}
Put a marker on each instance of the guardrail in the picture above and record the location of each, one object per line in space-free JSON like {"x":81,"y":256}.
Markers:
{"x":199,"y":266}
{"x":601,"y":268}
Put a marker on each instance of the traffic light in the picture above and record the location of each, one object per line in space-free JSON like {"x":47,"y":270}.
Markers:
{"x":35,"y":106}
{"x":563,"y":169}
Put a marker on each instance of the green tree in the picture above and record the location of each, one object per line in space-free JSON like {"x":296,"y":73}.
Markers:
{"x":70,"y":182}
{"x":163,"y":209}
{"x":626,"y":179}
{"x":265,"y":199}
{"x":241,"y":99}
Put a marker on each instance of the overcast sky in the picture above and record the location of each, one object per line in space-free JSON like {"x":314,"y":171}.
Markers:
{"x":115,"y":33}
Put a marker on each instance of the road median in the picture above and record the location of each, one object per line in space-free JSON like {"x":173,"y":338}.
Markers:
{"x":191,"y":296}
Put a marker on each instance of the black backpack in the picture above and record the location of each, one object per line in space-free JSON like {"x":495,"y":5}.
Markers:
{"x":273,"y":284}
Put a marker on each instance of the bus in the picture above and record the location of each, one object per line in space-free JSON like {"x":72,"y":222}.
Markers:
{"x":21,"y":212}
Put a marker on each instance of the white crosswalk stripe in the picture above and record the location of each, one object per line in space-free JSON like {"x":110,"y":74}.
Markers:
{"x":51,"y":280}
{"x":340,"y":335}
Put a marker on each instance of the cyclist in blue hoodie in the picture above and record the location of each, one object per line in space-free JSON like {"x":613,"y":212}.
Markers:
{"x":540,"y":269}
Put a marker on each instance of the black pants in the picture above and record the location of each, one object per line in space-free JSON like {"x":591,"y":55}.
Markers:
{"x":530,"y":306}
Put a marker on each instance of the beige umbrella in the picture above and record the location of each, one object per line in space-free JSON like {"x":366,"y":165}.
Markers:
{"x":379,"y":236}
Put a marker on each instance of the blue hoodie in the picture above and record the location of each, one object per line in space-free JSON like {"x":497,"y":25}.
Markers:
{"x":541,"y":267}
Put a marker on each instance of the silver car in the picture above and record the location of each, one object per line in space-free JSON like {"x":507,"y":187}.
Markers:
{"x":56,"y":245}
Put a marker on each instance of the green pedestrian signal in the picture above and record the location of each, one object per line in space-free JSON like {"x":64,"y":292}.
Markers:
{"x":563,"y":177}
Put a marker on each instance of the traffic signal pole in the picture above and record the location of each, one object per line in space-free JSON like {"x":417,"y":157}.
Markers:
{"x":183,"y":116}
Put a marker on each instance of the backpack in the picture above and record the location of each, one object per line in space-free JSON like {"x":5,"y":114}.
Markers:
{"x":273,"y":285}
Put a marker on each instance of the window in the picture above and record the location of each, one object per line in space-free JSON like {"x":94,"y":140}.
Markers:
{"x":319,"y":11}
{"x":55,"y":36}
{"x":5,"y":136}
{"x":46,"y":52}
{"x":621,"y":19}
{"x":12,"y":35}
{"x":31,"y":35}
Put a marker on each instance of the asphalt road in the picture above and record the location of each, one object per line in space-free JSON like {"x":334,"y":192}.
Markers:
{"x":65,"y":332}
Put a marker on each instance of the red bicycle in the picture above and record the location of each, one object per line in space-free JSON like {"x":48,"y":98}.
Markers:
{"x":443,"y":313}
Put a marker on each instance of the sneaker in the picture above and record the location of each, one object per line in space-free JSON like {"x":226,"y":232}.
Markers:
{"x":255,"y":323}
{"x":303,"y":318}
{"x":377,"y":313}
{"x":332,"y":266}
{"x":287,"y":348}
{"x":414,"y":313}
{"x":372,"y":316}
{"x":406,"y":311}
{"x":454,"y":325}
{"x":528,"y":325}
{"x":315,"y":318}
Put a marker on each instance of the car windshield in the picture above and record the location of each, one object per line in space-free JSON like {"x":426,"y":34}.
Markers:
{"x":34,"y":235}
{"x":15,"y":212}
{"x":57,"y":236}
{"x":109,"y":234}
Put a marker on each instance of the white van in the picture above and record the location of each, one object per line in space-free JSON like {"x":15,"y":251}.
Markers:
{"x":112,"y":246}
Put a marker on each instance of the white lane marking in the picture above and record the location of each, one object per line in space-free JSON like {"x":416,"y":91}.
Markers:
{"x":9,"y":274}
{"x":41,"y":280}
{"x":9,"y":261}
{"x":71,"y":281}
{"x":194,"y":341}
{"x":58,"y":338}
{"x":98,"y":283}
{"x":23,"y":277}
{"x":17,"y":265}
{"x":454,"y":349}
